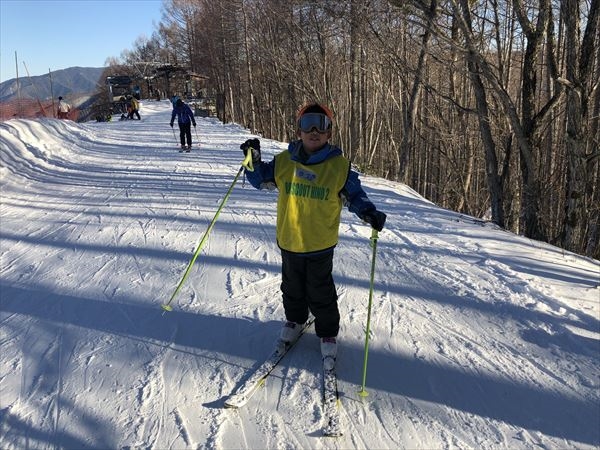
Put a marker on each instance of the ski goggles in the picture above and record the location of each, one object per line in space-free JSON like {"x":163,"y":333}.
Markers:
{"x":320,"y":122}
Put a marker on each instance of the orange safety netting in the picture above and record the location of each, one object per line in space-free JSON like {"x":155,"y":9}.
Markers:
{"x":30,"y":109}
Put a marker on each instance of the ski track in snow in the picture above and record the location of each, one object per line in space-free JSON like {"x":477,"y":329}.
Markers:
{"x":479,"y":338}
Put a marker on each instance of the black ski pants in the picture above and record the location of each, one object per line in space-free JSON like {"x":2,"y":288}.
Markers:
{"x":136,"y":112}
{"x":185,"y":132}
{"x":307,"y":285}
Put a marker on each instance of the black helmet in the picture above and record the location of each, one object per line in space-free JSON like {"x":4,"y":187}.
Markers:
{"x":60,"y":98}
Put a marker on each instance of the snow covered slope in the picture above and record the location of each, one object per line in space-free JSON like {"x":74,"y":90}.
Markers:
{"x":480,"y":338}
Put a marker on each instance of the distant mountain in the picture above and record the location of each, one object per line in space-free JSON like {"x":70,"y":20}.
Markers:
{"x":66,"y":82}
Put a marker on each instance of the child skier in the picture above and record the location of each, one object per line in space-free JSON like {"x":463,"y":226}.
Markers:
{"x":314,"y":181}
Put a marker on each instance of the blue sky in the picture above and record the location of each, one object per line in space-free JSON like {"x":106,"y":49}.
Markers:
{"x":53,"y":34}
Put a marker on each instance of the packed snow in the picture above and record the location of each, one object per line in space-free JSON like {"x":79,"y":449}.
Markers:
{"x":479,"y":338}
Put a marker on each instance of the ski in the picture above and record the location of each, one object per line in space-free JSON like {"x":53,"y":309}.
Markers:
{"x":257,"y":377}
{"x":331,"y":402}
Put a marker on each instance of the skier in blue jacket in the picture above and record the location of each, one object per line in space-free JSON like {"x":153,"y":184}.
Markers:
{"x":185,"y":119}
{"x":314,"y":181}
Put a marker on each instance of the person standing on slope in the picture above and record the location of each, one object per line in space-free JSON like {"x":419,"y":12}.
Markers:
{"x":185,"y":118}
{"x":63,"y":109}
{"x":314,"y":181}
{"x":135,"y":107}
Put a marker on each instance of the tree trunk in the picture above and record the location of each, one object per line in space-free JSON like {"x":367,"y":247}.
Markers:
{"x":355,"y":60}
{"x":578,"y":71}
{"x":411,"y":113}
{"x":494,"y":181}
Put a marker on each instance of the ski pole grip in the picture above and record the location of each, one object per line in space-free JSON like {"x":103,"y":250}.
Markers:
{"x":247,"y":163}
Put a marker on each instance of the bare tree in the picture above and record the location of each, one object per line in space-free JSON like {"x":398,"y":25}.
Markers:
{"x":579,"y":69}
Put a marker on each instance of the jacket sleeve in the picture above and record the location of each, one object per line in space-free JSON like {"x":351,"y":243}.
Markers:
{"x":355,"y":197}
{"x":264,"y":173}
{"x":173,"y":114}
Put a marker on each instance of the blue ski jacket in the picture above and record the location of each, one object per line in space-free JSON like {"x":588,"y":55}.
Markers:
{"x":184,"y":114}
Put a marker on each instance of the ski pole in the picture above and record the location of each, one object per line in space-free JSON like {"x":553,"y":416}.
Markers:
{"x":197,"y":139}
{"x":374,"y":237}
{"x":246,"y":164}
{"x":174,"y":137}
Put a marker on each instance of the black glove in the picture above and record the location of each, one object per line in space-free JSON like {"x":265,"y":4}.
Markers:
{"x":254,"y":144}
{"x":374,"y":218}
{"x":194,"y":123}
{"x":171,"y":124}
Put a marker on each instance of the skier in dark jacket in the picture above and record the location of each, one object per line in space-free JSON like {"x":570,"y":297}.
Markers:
{"x":185,"y":119}
{"x":314,"y":181}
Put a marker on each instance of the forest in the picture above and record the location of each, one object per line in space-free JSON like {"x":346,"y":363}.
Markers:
{"x":486,"y":107}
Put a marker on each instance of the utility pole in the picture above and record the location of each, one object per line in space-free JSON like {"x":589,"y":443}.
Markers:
{"x":19,"y":110}
{"x":52,"y":92}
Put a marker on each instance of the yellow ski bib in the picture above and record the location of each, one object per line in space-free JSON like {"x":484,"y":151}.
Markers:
{"x":309,"y":205}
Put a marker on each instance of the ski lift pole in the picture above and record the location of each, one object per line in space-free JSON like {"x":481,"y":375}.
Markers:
{"x":246,"y":164}
{"x":374,"y":236}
